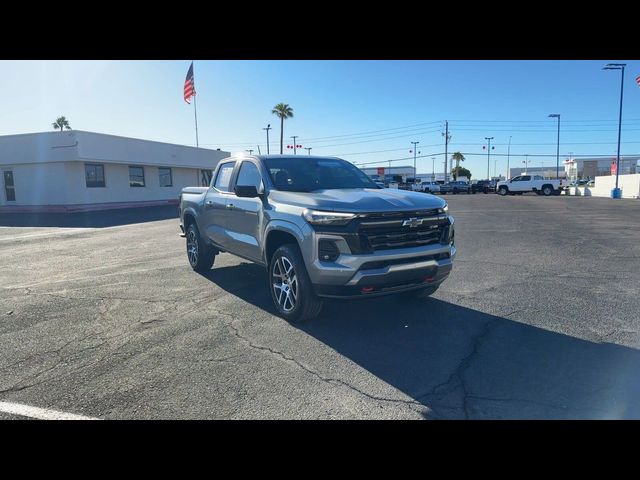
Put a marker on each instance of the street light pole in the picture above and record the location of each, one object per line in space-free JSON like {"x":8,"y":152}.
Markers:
{"x":618,"y":66}
{"x":508,"y":153}
{"x":267,"y":129}
{"x":488,"y":157}
{"x":433,"y":169}
{"x":308,"y":149}
{"x":557,"y":115}
{"x":415,"y":172}
{"x":250,"y":151}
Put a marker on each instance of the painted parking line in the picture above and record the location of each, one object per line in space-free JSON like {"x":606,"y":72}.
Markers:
{"x":39,"y":413}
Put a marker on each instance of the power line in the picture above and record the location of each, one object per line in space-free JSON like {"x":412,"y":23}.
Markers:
{"x":466,"y":154}
{"x":374,"y":131}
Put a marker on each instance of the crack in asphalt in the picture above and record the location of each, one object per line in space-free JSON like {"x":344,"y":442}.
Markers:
{"x":334,"y":381}
{"x":457,"y":376}
{"x":61,"y":360}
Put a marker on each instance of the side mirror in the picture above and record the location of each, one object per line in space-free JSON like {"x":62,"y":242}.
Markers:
{"x":246,"y":191}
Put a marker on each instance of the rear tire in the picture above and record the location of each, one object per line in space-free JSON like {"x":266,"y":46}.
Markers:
{"x":547,"y":190}
{"x":201,"y":256}
{"x":290,"y":286}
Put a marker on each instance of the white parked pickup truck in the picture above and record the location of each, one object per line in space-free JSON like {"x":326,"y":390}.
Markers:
{"x":529,"y":183}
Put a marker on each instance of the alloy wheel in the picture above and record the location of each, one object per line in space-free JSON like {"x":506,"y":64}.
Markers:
{"x":285,"y":284}
{"x":192,"y":247}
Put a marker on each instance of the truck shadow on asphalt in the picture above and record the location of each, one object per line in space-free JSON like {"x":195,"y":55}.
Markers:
{"x":97,"y":219}
{"x":463,"y":363}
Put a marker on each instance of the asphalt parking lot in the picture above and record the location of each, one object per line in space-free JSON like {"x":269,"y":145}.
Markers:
{"x":538,"y":320}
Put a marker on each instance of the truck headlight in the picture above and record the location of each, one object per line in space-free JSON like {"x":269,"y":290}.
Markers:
{"x":445,"y":209}
{"x":315,"y":217}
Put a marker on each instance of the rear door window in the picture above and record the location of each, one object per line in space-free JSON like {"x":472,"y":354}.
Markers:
{"x":223,"y":177}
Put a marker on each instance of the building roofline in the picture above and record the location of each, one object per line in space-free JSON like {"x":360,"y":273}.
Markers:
{"x":111,"y":135}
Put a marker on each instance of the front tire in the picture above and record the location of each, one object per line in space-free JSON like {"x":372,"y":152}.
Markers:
{"x":201,"y":256}
{"x":290,"y":286}
{"x":502,"y":191}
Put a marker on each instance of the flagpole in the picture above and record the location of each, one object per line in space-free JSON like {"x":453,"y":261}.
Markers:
{"x":195,"y":113}
{"x":195,"y":110}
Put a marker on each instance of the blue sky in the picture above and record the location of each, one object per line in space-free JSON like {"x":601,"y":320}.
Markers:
{"x":370,"y":110}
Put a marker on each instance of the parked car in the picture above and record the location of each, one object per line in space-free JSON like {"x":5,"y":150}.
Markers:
{"x":455,"y":187}
{"x":530,"y":183}
{"x":431,"y":187}
{"x":321,"y":228}
{"x":484,"y":186}
{"x":380,"y":184}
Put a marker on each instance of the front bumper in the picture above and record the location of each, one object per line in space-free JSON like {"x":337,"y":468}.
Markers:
{"x":382,"y":273}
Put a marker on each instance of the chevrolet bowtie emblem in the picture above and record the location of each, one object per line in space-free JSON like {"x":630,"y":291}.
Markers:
{"x":412,"y":222}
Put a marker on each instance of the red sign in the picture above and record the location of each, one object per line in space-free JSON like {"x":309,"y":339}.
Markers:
{"x":380,"y":170}
{"x":614,"y":168}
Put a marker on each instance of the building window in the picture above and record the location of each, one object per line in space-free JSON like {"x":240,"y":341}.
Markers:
{"x":9,"y":186}
{"x":94,"y":175}
{"x":165,"y":177}
{"x":136,"y":176}
{"x":205,"y":177}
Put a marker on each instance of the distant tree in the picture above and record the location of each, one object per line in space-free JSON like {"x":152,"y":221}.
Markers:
{"x":61,"y":123}
{"x":458,"y":157}
{"x":461,"y":172}
{"x":282,"y":111}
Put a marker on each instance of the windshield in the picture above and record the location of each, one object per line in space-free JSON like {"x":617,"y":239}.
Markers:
{"x":310,"y":174}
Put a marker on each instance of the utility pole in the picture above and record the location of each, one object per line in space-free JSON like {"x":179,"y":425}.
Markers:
{"x":446,"y":145}
{"x":433,"y":169}
{"x":557,"y":115}
{"x":415,"y":172}
{"x":488,"y":157}
{"x":250,"y":151}
{"x":267,"y":129}
{"x":508,"y":153}
{"x":526,"y":162}
{"x":259,"y":150}
{"x":294,"y":142}
{"x":308,"y":149}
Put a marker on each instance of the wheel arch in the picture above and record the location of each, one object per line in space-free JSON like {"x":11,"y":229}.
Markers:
{"x":279,"y":233}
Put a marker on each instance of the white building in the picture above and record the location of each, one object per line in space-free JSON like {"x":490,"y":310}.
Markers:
{"x":79,"y":171}
{"x":580,"y":168}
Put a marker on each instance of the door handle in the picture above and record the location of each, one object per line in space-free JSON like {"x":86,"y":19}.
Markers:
{"x":230,"y":205}
{"x":209,"y":202}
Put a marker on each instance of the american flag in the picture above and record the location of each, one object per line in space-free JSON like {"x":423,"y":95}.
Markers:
{"x":189,"y":85}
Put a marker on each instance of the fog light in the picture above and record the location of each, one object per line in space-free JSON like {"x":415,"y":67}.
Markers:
{"x":367,"y":289}
{"x":429,"y":279}
{"x":328,"y":251}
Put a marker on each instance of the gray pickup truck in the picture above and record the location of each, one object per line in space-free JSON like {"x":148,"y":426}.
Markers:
{"x":321,"y":228}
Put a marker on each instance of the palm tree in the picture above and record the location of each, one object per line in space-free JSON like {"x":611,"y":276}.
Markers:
{"x":282,"y":111}
{"x":458,"y":157}
{"x":61,"y":123}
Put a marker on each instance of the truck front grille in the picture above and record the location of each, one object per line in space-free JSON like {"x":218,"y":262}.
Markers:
{"x":389,"y":234}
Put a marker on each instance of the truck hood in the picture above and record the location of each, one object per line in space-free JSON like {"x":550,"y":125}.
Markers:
{"x":359,"y":200}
